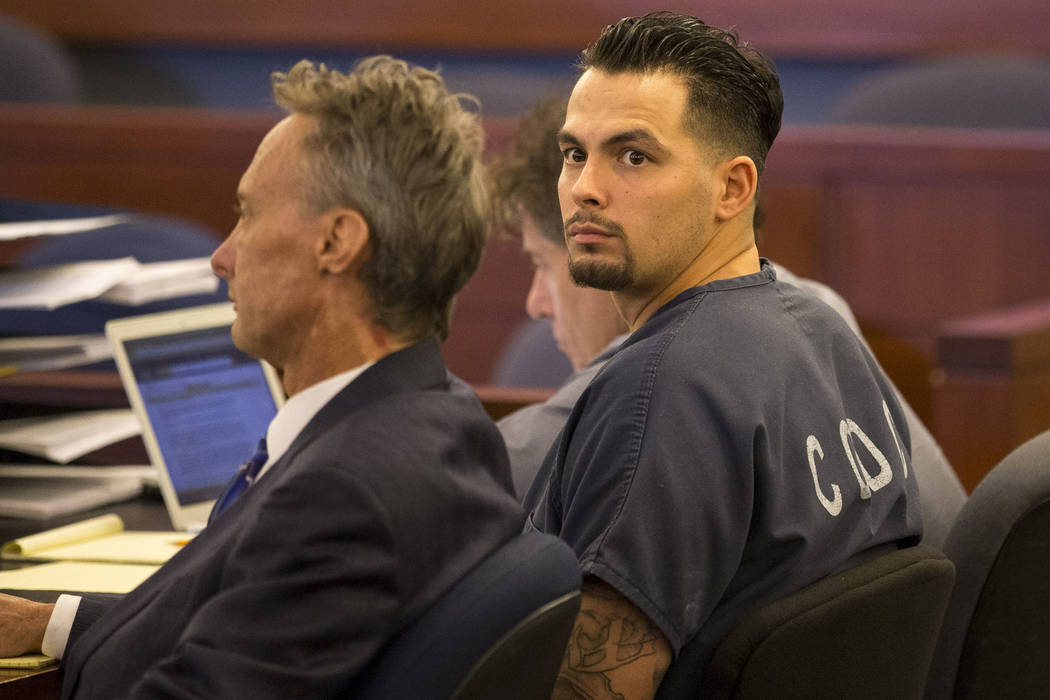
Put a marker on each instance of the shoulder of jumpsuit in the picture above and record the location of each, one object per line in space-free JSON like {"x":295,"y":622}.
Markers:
{"x":821,"y":291}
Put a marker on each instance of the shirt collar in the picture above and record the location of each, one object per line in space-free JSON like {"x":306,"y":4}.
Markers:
{"x":300,"y":410}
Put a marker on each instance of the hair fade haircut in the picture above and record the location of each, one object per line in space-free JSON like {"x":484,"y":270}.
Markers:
{"x":735,"y":102}
{"x":394,"y":144}
{"x":525,"y":176}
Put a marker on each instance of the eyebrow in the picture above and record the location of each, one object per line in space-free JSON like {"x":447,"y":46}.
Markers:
{"x":629,"y":136}
{"x":564,"y":137}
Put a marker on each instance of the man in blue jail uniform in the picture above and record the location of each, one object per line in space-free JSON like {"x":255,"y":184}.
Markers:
{"x":588,"y":327}
{"x":742,"y":443}
{"x":361,"y":215}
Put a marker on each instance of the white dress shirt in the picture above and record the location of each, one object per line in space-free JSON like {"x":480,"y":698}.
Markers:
{"x":284,"y":428}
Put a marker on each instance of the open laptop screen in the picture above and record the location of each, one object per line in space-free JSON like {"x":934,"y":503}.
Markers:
{"x":201,"y":402}
{"x":208,"y":404}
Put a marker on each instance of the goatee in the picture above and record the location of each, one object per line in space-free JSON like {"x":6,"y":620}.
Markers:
{"x":610,"y":277}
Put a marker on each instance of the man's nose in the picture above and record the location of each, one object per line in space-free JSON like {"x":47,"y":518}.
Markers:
{"x":538,"y":302}
{"x":588,"y":189}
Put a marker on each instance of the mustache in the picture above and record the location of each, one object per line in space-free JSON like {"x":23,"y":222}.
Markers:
{"x":581,"y":217}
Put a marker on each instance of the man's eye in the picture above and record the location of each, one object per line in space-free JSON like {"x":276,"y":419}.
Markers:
{"x":635,"y":157}
{"x":573,"y":155}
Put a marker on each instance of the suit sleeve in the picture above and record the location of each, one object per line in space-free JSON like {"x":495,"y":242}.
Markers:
{"x":309,"y":596}
{"x":90,"y":608}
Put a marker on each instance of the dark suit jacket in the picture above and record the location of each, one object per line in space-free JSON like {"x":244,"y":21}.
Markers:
{"x":397,"y":487}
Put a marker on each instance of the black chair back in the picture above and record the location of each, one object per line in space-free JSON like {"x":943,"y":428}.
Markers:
{"x":865,"y":633}
{"x":500,"y":632}
{"x":996,"y":636}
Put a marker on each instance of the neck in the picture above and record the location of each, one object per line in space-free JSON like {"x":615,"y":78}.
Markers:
{"x":717,"y":261}
{"x":332,"y":351}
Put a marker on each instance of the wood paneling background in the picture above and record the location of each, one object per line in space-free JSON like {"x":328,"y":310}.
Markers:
{"x":860,"y":28}
{"x":911,"y":226}
{"x":991,"y":389}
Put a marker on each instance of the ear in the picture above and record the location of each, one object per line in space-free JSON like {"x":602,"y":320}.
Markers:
{"x":739,"y":179}
{"x":344,"y":243}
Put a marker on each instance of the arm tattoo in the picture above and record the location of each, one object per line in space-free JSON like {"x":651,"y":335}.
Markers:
{"x":617,"y":640}
{"x":610,"y":634}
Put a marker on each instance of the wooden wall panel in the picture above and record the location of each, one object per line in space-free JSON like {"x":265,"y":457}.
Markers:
{"x":991,"y":390}
{"x":859,"y":28}
{"x":789,"y":234}
{"x":911,"y":226}
{"x":184,"y":162}
{"x":488,"y":310}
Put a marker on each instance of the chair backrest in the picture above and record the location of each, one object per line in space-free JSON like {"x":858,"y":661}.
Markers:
{"x":531,"y":358}
{"x":147,"y":238}
{"x":992,"y":91}
{"x":37,"y":68}
{"x":500,"y":632}
{"x":995,"y":641}
{"x":867,"y":632}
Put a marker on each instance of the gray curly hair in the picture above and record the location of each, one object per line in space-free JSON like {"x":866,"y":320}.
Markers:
{"x":394,"y":144}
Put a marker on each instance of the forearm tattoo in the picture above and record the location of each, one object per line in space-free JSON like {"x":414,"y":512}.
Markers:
{"x":610,"y":634}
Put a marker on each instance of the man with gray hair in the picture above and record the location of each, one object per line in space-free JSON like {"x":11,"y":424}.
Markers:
{"x":361,"y":216}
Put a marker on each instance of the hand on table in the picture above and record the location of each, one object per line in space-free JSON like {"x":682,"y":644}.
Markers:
{"x":22,"y":625}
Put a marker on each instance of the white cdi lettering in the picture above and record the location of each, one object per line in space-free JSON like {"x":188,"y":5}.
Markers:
{"x":833,"y":505}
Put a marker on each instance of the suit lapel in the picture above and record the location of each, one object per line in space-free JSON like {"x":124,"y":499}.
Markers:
{"x":414,"y":368}
{"x":411,"y":369}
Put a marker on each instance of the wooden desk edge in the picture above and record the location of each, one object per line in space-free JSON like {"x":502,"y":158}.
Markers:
{"x":31,"y":684}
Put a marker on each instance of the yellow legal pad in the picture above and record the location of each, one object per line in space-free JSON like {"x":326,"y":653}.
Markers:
{"x":27,"y":661}
{"x":101,"y":539}
{"x":84,"y":577}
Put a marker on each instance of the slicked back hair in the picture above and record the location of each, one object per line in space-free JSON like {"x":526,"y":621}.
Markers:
{"x":395,"y":145}
{"x":735,"y":102}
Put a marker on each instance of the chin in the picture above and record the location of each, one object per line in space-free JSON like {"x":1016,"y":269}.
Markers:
{"x":609,"y":277}
{"x":242,"y":340}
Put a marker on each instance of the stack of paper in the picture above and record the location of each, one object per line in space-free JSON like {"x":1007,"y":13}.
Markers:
{"x":57,"y":227}
{"x":25,"y":493}
{"x":145,"y":473}
{"x":42,"y":499}
{"x":59,"y":285}
{"x":122,"y":281}
{"x":34,"y":353}
{"x":64,"y":437}
{"x":164,"y":280}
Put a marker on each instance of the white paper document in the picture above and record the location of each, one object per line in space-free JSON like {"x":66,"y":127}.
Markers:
{"x":59,"y":285}
{"x":57,"y":227}
{"x":164,"y":280}
{"x":43,"y":499}
{"x":65,"y":437}
{"x":33,"y":353}
{"x":145,"y":473}
{"x":120,"y":281}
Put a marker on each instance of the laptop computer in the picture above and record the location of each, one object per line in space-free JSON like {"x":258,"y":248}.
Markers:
{"x":202,"y":403}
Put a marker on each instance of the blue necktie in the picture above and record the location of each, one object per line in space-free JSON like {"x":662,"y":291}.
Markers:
{"x":242,"y":480}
